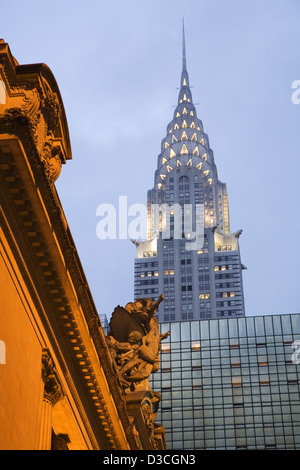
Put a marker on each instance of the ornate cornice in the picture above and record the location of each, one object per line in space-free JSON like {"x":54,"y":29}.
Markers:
{"x":33,"y":105}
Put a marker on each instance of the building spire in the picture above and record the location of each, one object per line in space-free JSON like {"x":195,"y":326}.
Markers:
{"x":183,"y":47}
{"x":185,"y":92}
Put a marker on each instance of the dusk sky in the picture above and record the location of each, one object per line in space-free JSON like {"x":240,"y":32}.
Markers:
{"x":118,"y":67}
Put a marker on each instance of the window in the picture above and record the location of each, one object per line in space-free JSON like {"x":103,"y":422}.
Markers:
{"x":236,"y":381}
{"x":264,"y":382}
{"x":165,"y":347}
{"x":184,"y":150}
{"x":235,"y":364}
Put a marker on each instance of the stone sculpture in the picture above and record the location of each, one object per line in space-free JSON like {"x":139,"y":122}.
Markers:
{"x":134,"y":342}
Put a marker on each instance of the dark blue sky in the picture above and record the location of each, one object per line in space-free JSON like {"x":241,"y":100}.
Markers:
{"x":118,"y":67}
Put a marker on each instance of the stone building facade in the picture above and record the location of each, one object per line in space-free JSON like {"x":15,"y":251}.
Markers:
{"x":59,"y":388}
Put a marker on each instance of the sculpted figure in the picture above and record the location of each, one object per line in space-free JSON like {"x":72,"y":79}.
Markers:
{"x":134,"y":342}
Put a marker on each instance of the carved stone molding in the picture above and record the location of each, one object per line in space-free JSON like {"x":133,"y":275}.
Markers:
{"x":52,"y":388}
{"x":33,"y":103}
{"x":142,"y":407}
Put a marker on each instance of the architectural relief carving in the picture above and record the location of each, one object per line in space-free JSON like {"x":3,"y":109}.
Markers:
{"x":33,"y":110}
{"x":52,"y":387}
{"x":134,"y":342}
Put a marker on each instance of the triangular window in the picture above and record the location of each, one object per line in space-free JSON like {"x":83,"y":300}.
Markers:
{"x":196,"y":152}
{"x":184,"y":150}
{"x":184,"y":136}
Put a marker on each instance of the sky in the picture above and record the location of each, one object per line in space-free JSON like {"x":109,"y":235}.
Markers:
{"x":118,"y":67}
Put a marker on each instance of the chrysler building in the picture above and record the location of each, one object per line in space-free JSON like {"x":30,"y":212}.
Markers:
{"x":191,"y":255}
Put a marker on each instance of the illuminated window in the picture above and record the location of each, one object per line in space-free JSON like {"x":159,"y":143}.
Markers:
{"x":169,"y":168}
{"x":176,"y":126}
{"x":199,"y":166}
{"x":217,"y":268}
{"x":196,"y":151}
{"x":184,"y":124}
{"x":192,"y":113}
{"x":177,"y":114}
{"x":172,"y":153}
{"x":192,"y":126}
{"x":204,"y":296}
{"x":166,"y":145}
{"x":194,"y":137}
{"x":262,"y":363}
{"x":195,"y":346}
{"x":163,"y":161}
{"x":184,"y":111}
{"x":184,"y":150}
{"x":184,"y":136}
{"x":236,"y":381}
{"x":202,"y":141}
{"x":165,"y":347}
{"x":172,"y":272}
{"x":178,"y":163}
{"x":204,"y":156}
{"x":265,"y":382}
{"x":174,"y":139}
{"x":166,"y":272}
{"x":190,"y":163}
{"x":205,"y":173}
{"x":232,"y":294}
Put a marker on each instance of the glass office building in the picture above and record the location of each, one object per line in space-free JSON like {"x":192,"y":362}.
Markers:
{"x":231,"y":383}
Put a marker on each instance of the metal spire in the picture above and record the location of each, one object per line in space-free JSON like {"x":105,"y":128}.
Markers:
{"x":183,"y":47}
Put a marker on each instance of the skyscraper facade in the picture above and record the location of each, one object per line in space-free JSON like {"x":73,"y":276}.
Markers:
{"x":190,"y":255}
